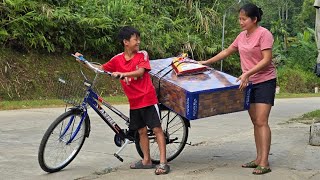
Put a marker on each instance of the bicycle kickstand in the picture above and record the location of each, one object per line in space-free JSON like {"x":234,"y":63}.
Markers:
{"x":126,"y":142}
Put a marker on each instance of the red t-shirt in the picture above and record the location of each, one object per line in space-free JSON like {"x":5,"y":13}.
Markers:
{"x":139,"y":90}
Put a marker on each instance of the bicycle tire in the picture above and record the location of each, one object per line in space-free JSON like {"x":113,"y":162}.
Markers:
{"x":61,"y":162}
{"x":169,"y":121}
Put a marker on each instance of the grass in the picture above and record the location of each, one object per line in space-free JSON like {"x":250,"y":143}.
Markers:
{"x":301,"y":95}
{"x":308,"y":118}
{"x":10,"y":105}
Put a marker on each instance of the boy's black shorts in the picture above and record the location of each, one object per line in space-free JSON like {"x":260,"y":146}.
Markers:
{"x":263,"y":92}
{"x":146,"y":116}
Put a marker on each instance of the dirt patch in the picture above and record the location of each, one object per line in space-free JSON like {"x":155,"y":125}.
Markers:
{"x":302,"y":120}
{"x":202,"y":170}
{"x":202,"y":143}
{"x":97,"y":174}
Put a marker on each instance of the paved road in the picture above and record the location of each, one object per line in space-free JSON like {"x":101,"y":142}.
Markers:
{"x":220,"y":144}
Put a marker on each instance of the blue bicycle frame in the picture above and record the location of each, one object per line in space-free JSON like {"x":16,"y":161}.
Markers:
{"x":95,"y":101}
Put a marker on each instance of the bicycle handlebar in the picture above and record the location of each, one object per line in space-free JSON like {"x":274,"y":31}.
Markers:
{"x":95,"y":69}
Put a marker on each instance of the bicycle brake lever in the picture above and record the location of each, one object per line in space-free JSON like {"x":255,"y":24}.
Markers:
{"x":119,"y":77}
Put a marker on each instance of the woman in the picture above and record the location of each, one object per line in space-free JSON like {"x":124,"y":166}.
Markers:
{"x":254,"y":45}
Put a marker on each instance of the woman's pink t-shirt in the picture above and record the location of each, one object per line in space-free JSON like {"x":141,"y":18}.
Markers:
{"x":250,"y":49}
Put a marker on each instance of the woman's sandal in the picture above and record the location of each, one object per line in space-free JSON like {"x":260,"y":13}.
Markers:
{"x":164,"y":169}
{"x":251,"y":164}
{"x":261,"y":169}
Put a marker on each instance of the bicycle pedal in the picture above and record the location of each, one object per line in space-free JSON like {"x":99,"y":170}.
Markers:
{"x":118,"y":157}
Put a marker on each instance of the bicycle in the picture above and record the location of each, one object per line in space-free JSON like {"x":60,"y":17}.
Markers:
{"x":65,"y":137}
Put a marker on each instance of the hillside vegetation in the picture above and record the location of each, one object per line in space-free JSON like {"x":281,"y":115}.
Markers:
{"x":37,"y":38}
{"x":26,"y":76}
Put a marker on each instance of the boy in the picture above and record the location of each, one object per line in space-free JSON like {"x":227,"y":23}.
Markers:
{"x":132,"y":67}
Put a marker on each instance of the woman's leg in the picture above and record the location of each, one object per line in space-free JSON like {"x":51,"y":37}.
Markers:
{"x":252,"y":113}
{"x":260,"y":113}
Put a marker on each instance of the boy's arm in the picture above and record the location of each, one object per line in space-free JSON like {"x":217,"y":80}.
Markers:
{"x":143,"y":66}
{"x":137,"y":73}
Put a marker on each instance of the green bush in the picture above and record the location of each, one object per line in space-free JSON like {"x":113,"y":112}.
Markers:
{"x":296,"y":80}
{"x":91,"y":26}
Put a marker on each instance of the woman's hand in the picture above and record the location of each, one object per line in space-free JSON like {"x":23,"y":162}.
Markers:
{"x":203,"y":62}
{"x":244,"y":81}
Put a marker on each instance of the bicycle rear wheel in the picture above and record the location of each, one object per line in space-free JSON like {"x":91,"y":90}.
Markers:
{"x":176,"y":134}
{"x":57,"y":149}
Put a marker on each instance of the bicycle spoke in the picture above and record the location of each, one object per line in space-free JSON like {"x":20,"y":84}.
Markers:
{"x":176,"y":130}
{"x":173,"y":125}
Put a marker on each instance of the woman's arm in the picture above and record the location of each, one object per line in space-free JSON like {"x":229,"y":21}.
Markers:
{"x":222,"y":55}
{"x":266,"y":60}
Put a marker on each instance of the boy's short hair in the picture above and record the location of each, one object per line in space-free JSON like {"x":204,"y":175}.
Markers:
{"x":126,"y":32}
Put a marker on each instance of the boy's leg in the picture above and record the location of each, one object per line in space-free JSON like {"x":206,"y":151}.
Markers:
{"x":137,"y":123}
{"x":144,"y":143}
{"x":152,"y":117}
{"x":163,"y":168}
{"x":161,"y":143}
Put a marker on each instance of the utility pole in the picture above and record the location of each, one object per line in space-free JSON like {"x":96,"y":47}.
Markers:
{"x":317,"y":34}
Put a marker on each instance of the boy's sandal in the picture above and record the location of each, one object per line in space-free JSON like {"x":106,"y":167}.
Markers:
{"x":140,"y":165}
{"x":261,"y":170}
{"x":251,"y":164}
{"x":162,"y":169}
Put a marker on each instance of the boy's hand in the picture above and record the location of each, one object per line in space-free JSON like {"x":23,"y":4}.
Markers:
{"x":120,"y":76}
{"x":78,"y":55}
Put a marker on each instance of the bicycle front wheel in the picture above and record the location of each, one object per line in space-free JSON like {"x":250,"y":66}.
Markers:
{"x":62,"y":141}
{"x":176,"y":134}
